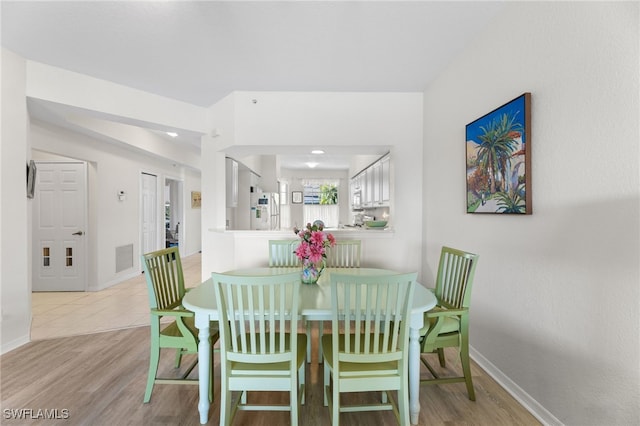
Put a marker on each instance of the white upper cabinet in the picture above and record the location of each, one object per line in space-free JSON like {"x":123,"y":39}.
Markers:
{"x":367,"y":188}
{"x":356,"y":193}
{"x":373,"y":185}
{"x":385,"y":181}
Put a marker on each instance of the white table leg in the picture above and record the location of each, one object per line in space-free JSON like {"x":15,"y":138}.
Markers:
{"x":204,"y":366}
{"x":414,"y":375}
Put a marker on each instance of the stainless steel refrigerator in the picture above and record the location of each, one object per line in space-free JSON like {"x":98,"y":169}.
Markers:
{"x":265,"y":211}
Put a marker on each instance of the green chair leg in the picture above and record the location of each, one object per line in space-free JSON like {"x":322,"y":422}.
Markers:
{"x":178,"y":358}
{"x":441,"y":357}
{"x":466,"y":370}
{"x":154,"y":358}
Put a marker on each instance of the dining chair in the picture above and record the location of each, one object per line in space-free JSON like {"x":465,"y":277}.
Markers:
{"x":368,"y":347}
{"x":345,"y":254}
{"x":165,"y":285}
{"x":281,"y":253}
{"x":260,"y":347}
{"x":447,"y":325}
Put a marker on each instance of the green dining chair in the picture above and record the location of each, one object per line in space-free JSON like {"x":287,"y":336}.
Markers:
{"x":260,"y":349}
{"x":447,"y":325}
{"x":368,"y":348}
{"x":281,"y":253}
{"x":165,"y":284}
{"x":345,"y":254}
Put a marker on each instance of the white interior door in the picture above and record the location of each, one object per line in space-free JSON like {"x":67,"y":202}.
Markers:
{"x":149,"y":218}
{"x":59,"y":227}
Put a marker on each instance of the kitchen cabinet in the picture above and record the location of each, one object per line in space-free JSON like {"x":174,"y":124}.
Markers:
{"x":231,"y":174}
{"x":376,"y":183}
{"x":385,"y":181}
{"x":356,"y":193}
{"x":373,"y":184}
{"x":367,"y":188}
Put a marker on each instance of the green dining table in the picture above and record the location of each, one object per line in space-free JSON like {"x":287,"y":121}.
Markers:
{"x":315,"y":305}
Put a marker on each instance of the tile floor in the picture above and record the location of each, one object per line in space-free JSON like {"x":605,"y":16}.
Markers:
{"x":62,"y":314}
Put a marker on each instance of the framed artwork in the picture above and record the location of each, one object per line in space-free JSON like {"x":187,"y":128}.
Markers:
{"x":498,"y":159}
{"x":196,"y":199}
{"x":31,"y":178}
{"x":296,"y":197}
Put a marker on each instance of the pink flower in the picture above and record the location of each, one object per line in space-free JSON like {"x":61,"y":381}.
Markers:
{"x":303,"y":250}
{"x":313,"y":244}
{"x":317,"y":238}
{"x":315,"y":258}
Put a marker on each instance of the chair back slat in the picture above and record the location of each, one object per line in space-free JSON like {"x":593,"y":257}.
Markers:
{"x":345,"y":254}
{"x":375,"y":312}
{"x":455,"y":276}
{"x":164,"y":276}
{"x":281,"y":253}
{"x":257,"y":313}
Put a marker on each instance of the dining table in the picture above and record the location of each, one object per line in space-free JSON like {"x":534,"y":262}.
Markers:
{"x":315,"y":305}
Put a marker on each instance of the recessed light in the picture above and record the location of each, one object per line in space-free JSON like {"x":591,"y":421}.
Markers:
{"x":317,"y":151}
{"x":172,"y":134}
{"x":311,"y":165}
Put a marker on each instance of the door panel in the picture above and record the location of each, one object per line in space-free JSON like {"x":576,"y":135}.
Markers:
{"x":59,"y":212}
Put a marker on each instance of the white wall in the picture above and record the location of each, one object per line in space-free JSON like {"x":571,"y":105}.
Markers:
{"x":312,"y":119}
{"x":191,"y":227}
{"x":15,"y":235}
{"x":555,"y":300}
{"x":105,"y":98}
{"x":115,"y":223}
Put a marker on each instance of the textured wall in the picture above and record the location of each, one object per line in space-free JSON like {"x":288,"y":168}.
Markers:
{"x":555,"y":303}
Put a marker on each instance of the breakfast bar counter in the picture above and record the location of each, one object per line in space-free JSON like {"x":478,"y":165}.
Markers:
{"x":250,"y":248}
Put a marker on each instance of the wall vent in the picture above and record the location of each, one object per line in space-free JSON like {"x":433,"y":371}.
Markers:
{"x":124,"y":257}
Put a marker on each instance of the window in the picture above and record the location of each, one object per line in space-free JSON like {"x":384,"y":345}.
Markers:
{"x":285,"y":207}
{"x":320,"y":198}
{"x":320,"y":193}
{"x":284,"y":193}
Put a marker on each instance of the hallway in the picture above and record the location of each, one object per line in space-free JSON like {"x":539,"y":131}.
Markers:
{"x":125,"y":305}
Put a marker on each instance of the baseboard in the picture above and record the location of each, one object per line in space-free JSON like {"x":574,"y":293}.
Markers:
{"x":116,"y":281}
{"x":183,"y":255}
{"x":14,"y":344}
{"x":533,"y":406}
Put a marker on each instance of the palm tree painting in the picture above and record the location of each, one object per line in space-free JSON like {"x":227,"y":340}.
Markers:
{"x":499,"y":160}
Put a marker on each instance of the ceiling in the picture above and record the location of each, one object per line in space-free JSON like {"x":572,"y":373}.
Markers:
{"x":200,"y":51}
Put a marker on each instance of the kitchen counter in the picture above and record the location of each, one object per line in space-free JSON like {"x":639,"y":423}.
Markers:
{"x":353,"y":232}
{"x":250,"y":248}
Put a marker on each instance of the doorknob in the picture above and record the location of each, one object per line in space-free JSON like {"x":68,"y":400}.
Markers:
{"x":78,"y":233}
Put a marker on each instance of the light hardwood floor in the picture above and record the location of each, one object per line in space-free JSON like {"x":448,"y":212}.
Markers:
{"x":62,"y":314}
{"x":99,"y":378}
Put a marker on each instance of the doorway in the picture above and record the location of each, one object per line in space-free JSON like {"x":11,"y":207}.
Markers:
{"x":60,"y":226}
{"x":173,"y":211}
{"x":149,"y":212}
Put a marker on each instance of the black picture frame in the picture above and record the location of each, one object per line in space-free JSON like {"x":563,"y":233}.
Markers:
{"x":31,"y":178}
{"x":296,"y":197}
{"x":498,"y":160}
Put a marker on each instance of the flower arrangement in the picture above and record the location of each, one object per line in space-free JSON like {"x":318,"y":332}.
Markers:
{"x":314,"y":243}
{"x":312,"y":250}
